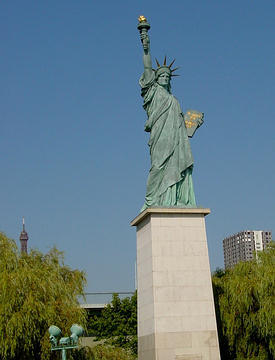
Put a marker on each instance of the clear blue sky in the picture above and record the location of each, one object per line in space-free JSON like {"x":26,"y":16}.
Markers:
{"x":74,"y":156}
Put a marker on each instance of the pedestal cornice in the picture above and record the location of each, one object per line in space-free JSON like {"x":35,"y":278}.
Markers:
{"x":170,"y":210}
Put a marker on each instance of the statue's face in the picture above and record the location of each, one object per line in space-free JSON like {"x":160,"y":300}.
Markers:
{"x":164,"y":80}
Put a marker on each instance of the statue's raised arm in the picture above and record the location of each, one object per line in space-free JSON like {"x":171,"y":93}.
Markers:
{"x":143,"y":27}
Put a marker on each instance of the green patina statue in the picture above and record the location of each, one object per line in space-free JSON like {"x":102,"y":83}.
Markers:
{"x":170,"y":178}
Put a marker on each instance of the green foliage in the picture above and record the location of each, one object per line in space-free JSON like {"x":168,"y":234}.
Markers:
{"x":102,"y":352}
{"x":117,"y":324}
{"x":36,"y":291}
{"x":245,"y":299}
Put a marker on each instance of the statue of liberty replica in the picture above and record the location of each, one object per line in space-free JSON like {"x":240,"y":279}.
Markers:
{"x":170,"y":178}
{"x":176,"y":312}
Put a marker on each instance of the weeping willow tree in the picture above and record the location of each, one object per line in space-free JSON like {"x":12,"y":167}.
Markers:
{"x":36,"y":291}
{"x":245,"y":299}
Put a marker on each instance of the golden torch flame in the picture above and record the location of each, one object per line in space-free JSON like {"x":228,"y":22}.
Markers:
{"x":142,"y":18}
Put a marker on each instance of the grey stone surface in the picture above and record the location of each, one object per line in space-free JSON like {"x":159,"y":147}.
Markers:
{"x":176,"y":315}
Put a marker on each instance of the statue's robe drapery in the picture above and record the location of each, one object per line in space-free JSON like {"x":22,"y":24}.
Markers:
{"x":170,"y":177}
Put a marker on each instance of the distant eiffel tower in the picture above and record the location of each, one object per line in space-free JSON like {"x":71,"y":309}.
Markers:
{"x":24,"y":239}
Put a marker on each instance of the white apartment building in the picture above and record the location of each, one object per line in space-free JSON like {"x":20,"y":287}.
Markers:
{"x":241,"y":246}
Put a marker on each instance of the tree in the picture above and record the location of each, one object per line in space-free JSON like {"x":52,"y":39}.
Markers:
{"x":245,"y":299}
{"x":102,"y":352}
{"x":117,"y":324}
{"x":36,"y":291}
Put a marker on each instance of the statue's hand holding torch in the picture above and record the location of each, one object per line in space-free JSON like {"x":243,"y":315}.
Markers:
{"x":143,"y":27}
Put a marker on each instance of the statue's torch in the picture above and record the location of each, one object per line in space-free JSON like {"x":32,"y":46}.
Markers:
{"x":143,"y":27}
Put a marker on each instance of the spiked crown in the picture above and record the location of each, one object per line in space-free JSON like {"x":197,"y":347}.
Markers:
{"x":165,"y":68}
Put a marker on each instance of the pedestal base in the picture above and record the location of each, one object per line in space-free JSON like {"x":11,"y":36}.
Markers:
{"x":176,"y":314}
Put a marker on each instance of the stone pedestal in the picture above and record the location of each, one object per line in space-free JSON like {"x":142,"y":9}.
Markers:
{"x":176,"y":315}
